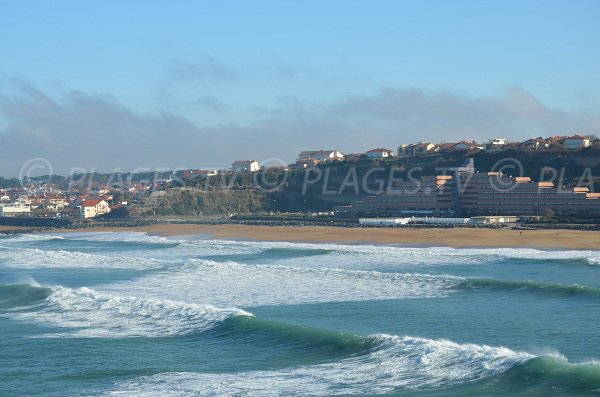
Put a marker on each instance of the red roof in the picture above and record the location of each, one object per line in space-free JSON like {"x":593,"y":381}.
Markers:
{"x":576,"y":137}
{"x":91,"y":203}
{"x":443,"y":146}
{"x":534,"y":140}
{"x":54,"y":197}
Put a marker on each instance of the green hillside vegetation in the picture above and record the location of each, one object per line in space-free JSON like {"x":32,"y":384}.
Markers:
{"x":340,"y":183}
{"x":197,"y":203}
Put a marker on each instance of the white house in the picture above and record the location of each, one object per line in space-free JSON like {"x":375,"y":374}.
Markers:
{"x":401,"y":149}
{"x":189,"y":174}
{"x":460,"y":146}
{"x":24,"y":200}
{"x":416,"y":149}
{"x":55,"y":202}
{"x":245,"y":166}
{"x":320,"y":155}
{"x":495,"y":144}
{"x":14,"y":209}
{"x":535,"y":144}
{"x":379,"y":153}
{"x":576,"y":142}
{"x":91,"y":208}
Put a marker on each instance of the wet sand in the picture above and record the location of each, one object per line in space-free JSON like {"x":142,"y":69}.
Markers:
{"x":454,"y":237}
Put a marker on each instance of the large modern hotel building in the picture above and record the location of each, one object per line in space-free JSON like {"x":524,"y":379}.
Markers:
{"x":463,"y":191}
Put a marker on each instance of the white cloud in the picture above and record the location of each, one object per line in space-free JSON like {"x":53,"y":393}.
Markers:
{"x":92,"y":131}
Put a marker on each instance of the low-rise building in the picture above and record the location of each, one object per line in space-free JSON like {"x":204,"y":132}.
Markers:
{"x":245,"y":166}
{"x":14,"y":209}
{"x":416,"y":149}
{"x":320,"y":155}
{"x":383,"y":221}
{"x":91,"y":208}
{"x":55,"y":202}
{"x":535,"y":144}
{"x":576,"y":142}
{"x":495,"y":144}
{"x":379,"y":153}
{"x":306,"y":163}
{"x":462,"y":146}
{"x":490,"y":220}
{"x":190,"y":174}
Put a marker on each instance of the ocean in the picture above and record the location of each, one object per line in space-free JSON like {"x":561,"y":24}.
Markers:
{"x":128,"y":314}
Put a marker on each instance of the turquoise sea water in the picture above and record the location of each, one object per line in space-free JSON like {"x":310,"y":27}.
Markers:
{"x":130,"y":314}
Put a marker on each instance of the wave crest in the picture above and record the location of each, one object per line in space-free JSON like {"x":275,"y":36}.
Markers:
{"x":21,"y":295}
{"x":232,"y":283}
{"x":393,"y":363}
{"x":87,"y":313}
{"x":533,"y":286}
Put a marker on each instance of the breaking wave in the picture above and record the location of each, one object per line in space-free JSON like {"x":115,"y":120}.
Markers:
{"x":38,"y":258}
{"x":243,"y":285}
{"x":386,"y":364}
{"x":532,"y":286}
{"x":241,"y":251}
{"x":20,"y":295}
{"x":84,"y":312}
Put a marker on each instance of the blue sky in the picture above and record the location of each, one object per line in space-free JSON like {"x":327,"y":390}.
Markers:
{"x":298,"y":75}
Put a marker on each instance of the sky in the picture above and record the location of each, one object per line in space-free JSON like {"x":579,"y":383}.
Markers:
{"x":132,"y":85}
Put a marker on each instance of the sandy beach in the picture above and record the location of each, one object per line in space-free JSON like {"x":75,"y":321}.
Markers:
{"x":455,"y":237}
{"x":12,"y":228}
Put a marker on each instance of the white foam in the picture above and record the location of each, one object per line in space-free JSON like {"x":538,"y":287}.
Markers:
{"x":231,"y":283}
{"x":88,"y":313}
{"x":354,"y":255}
{"x":398,"y":363}
{"x":91,"y":236}
{"x":594,"y":261}
{"x":137,"y":237}
{"x":21,"y":238}
{"x":363,"y":257}
{"x":31,"y":258}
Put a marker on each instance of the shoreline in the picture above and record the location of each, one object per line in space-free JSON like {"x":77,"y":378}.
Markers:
{"x":415,"y":237}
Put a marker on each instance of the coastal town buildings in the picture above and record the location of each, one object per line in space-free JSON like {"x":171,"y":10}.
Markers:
{"x":312,"y":158}
{"x":245,"y":166}
{"x":495,"y":144}
{"x":535,"y":144}
{"x":54,"y":202}
{"x":445,"y":194}
{"x":190,"y":174}
{"x":464,"y":191}
{"x":431,"y":195}
{"x":10,"y":210}
{"x":464,"y":146}
{"x":415,"y":149}
{"x":379,"y":153}
{"x":91,"y":208}
{"x":320,"y":155}
{"x":576,"y":142}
